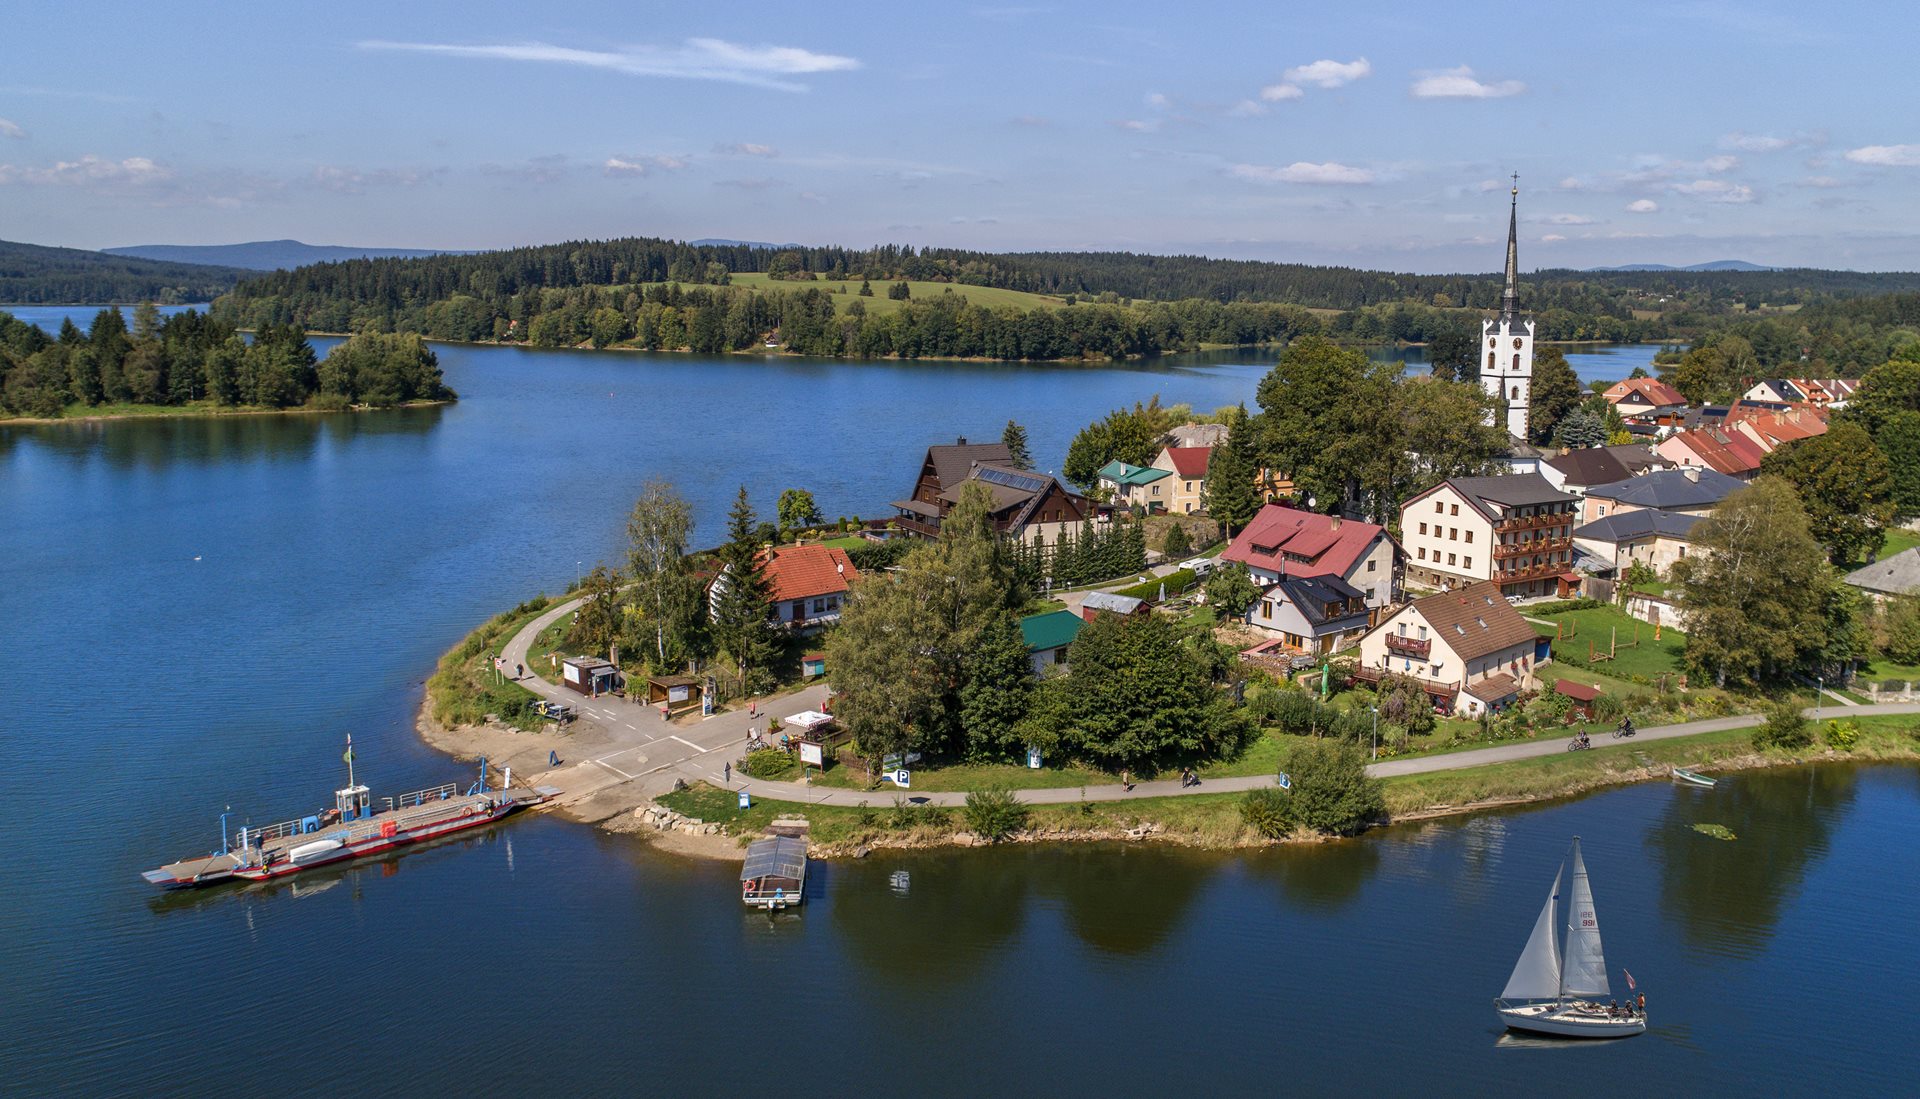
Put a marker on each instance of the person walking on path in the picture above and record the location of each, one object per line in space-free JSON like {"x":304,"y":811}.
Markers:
{"x":753,"y":710}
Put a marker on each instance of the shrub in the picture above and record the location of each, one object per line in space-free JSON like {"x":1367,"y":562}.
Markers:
{"x":1840,"y":735}
{"x":866,"y":816}
{"x":1785,"y":727}
{"x":995,"y":814}
{"x":1176,"y":544}
{"x":1332,"y":791}
{"x":767,"y":763}
{"x":1265,"y":809}
{"x":1608,"y":708}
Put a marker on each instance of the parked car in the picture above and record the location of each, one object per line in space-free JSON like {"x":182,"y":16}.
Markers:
{"x":1199,"y":566}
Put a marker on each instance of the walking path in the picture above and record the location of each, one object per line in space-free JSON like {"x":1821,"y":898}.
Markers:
{"x":631,"y":755}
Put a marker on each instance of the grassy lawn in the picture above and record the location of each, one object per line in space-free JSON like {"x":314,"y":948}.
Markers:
{"x":845,"y":542}
{"x":1599,"y":626}
{"x":1884,"y":670}
{"x":464,"y":688}
{"x":848,"y":290}
{"x":545,"y":642}
{"x":1899,"y":539}
{"x":972,"y":776}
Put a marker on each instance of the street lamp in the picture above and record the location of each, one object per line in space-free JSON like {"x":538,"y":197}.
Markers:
{"x":1376,"y":731}
{"x":576,"y":573}
{"x":1820,"y":688}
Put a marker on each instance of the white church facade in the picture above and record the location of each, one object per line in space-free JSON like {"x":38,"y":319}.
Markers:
{"x":1506,"y":343}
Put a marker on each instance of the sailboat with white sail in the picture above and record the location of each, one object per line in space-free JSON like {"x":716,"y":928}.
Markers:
{"x":1549,"y":989}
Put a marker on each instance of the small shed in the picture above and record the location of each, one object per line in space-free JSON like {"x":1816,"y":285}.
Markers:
{"x":589,"y":675}
{"x":1048,"y":636}
{"x":1104,"y":602}
{"x":1582,"y":695}
{"x":674,"y":690}
{"x":774,"y":874}
{"x":813,"y":665}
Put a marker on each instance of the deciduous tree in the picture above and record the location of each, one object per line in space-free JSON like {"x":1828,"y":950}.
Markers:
{"x":665,"y":603}
{"x":797,"y":510}
{"x":1845,"y":485}
{"x":1137,"y":698}
{"x":997,"y":675}
{"x":1555,"y":392}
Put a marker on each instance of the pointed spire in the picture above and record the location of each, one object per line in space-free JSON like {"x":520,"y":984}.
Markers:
{"x":1510,"y":297}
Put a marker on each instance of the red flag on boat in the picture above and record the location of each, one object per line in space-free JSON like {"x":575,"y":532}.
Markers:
{"x":1630,"y":985}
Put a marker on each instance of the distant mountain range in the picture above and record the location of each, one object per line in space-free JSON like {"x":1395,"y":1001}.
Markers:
{"x":1715,"y":265}
{"x":271,"y":255}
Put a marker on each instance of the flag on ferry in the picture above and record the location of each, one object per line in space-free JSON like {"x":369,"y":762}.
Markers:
{"x":347,"y":757}
{"x":1630,"y":985}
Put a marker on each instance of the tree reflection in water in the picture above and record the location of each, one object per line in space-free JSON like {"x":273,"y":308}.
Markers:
{"x":1727,"y":896}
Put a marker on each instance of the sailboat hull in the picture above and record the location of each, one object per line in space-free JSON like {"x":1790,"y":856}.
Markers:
{"x":1570,"y":1021}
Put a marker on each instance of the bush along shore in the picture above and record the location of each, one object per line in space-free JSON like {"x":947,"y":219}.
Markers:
{"x":1335,"y":805}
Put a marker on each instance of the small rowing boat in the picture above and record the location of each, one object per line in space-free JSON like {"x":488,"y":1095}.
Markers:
{"x":1681,"y":774}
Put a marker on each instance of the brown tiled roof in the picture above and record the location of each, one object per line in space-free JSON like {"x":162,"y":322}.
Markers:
{"x":1475,"y":620}
{"x":803,"y":572}
{"x":1592,"y":466}
{"x":1494,"y":688}
{"x":1579,"y":692}
{"x":1652,"y":390}
{"x":1331,"y":546}
{"x":951,"y":463}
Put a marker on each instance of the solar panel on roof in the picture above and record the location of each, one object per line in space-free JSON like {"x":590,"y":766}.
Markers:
{"x":1009,"y":478}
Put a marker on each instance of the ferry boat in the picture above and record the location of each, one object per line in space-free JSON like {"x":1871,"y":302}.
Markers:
{"x":352,"y":828}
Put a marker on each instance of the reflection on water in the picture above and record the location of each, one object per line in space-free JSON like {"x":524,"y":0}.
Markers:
{"x":1331,"y":875}
{"x":1727,"y":895}
{"x":162,"y":442}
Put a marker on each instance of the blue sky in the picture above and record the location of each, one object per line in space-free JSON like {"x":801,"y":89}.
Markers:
{"x":1365,"y":134}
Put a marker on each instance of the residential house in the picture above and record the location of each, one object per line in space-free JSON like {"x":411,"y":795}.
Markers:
{"x":1105,"y":602}
{"x":1771,"y":429}
{"x":1647,"y":536}
{"x":1048,"y":636}
{"x":1732,"y":453}
{"x":1131,"y":486}
{"x":1514,"y":530}
{"x":1688,"y":490}
{"x":1312,"y":614}
{"x":1576,"y":471}
{"x":1522,"y":456}
{"x":1898,"y":574}
{"x":1282,"y":542}
{"x":1027,"y":506}
{"x":1469,"y":648}
{"x":1189,"y":435}
{"x":1645,"y":400}
{"x":1638,"y":457}
{"x":1819,"y":392}
{"x":1187,"y":486}
{"x":806,"y":585}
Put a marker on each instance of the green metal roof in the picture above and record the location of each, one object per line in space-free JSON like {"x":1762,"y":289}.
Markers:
{"x":1050,"y":630}
{"x":1120,"y":472}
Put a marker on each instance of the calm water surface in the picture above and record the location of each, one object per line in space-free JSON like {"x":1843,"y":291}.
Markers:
{"x":337,"y":556}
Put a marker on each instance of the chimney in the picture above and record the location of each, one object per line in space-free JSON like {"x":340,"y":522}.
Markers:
{"x":961,"y":441}
{"x":1335,"y":523}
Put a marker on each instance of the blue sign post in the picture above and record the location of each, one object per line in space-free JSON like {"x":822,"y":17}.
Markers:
{"x":1286,"y":781}
{"x":746,"y":800}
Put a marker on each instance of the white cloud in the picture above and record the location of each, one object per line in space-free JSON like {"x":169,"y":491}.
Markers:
{"x":354,"y":181}
{"x":1138,"y":125}
{"x":1899,"y":156}
{"x":1821,"y":182}
{"x":1488,"y":186}
{"x":1274,"y":93}
{"x":1327,"y":73}
{"x":1301,"y":171}
{"x":1572,"y":183}
{"x":1567,"y":219}
{"x":1718,"y":164}
{"x":1552,"y":238}
{"x":1460,"y":83}
{"x":1247,"y":108}
{"x":746,"y":148}
{"x":1156,"y":100}
{"x":1716,"y":190}
{"x":1755,"y":143}
{"x":641,"y":165}
{"x":695,"y":59}
{"x":10,"y":128}
{"x":91,"y":172}
{"x":1642,"y":206}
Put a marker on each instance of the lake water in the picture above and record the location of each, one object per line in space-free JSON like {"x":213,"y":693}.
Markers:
{"x":200,"y":609}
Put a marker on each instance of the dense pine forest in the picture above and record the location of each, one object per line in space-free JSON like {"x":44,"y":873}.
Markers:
{"x":193,"y":361}
{"x":666,"y":294}
{"x":31,"y":274}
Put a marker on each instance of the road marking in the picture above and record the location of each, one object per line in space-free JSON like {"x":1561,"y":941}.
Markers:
{"x":614,"y":769}
{"x":691,"y":744}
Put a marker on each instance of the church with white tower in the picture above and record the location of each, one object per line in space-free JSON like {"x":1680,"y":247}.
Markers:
{"x":1506,"y":341}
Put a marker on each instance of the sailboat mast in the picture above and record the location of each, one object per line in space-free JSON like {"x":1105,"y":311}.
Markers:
{"x":1573,"y":857}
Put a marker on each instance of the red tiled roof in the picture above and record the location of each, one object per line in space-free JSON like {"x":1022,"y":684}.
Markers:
{"x":1278,"y":530}
{"x":803,"y":572}
{"x":1723,"y":452}
{"x":1190,"y":462}
{"x":1652,"y":390}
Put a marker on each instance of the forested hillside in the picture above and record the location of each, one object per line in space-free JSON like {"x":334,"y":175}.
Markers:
{"x":1119,"y":303}
{"x":32,"y":274}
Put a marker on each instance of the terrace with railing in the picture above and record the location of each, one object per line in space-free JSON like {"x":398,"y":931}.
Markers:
{"x":1408,"y":646}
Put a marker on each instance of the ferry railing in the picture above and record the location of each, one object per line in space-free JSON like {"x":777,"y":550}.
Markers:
{"x":420,"y":797}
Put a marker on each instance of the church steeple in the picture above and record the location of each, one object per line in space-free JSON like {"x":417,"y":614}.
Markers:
{"x":1510,"y":297}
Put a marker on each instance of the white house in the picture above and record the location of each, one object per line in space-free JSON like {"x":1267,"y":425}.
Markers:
{"x":1515,"y":530}
{"x":1468,"y":648}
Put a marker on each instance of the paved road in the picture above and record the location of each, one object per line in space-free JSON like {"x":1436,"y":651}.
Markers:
{"x":636,"y":756}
